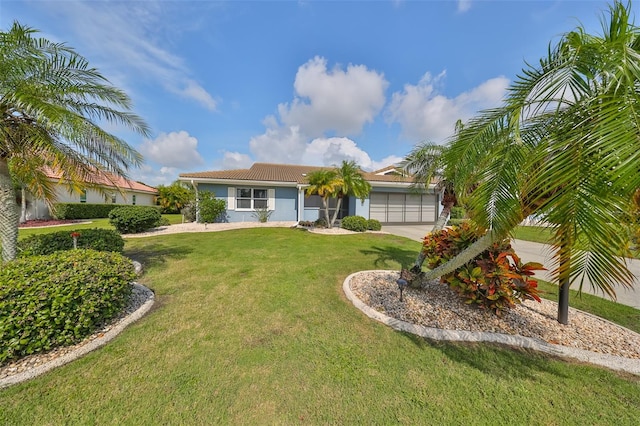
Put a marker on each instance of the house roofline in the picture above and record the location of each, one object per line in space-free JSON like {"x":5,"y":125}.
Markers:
{"x":238,"y":182}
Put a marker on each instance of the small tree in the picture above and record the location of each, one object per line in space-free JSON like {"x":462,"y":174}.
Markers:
{"x":175,"y":197}
{"x":211,"y":209}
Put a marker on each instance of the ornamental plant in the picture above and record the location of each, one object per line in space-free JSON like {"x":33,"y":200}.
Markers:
{"x":95,"y":239}
{"x":134,"y":219}
{"x":59,"y":299}
{"x":496,"y":280}
{"x":354,"y":223}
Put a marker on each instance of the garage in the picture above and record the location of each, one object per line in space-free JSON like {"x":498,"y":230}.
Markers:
{"x":394,"y":207}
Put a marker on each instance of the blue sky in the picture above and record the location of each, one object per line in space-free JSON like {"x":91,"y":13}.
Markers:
{"x":226,"y":84}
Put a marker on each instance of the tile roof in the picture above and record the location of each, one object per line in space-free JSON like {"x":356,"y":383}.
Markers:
{"x":269,"y":172}
{"x":107,"y":179}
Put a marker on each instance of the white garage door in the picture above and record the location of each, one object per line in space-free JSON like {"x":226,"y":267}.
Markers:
{"x":391,"y":207}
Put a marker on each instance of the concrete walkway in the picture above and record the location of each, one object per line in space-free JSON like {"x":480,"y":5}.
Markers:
{"x":541,"y":253}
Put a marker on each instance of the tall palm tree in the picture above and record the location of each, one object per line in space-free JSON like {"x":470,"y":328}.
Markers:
{"x":565,"y":145}
{"x":50,"y":103}
{"x":325,"y":184}
{"x":349,"y":182}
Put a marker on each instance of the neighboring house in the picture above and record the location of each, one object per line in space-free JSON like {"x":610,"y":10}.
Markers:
{"x":281,"y":188}
{"x":118,"y":189}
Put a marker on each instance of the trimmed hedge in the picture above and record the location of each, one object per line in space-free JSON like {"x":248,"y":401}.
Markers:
{"x":82,"y":210}
{"x":134,"y":219}
{"x":354,"y":223}
{"x":95,"y":239}
{"x":374,"y":225}
{"x":59,"y":299}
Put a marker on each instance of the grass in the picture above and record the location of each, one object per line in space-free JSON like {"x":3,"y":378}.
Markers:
{"x":536,"y":234}
{"x":251,"y":327}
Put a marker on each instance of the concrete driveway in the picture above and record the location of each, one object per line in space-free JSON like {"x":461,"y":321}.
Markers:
{"x":541,"y":253}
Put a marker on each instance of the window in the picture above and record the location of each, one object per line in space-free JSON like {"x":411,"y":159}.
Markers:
{"x":251,"y":198}
{"x":133,"y":200}
{"x":113,"y":198}
{"x":83,"y":196}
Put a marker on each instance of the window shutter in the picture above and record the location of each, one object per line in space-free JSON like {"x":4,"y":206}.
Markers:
{"x":231,"y":198}
{"x":271,"y":204}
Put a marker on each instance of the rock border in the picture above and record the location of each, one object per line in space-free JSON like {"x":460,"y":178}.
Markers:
{"x":612,"y":362}
{"x":91,"y":345}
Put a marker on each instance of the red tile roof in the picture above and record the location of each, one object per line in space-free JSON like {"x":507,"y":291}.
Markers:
{"x":109,"y":180}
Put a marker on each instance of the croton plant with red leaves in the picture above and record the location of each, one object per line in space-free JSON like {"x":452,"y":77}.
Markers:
{"x":495,"y":280}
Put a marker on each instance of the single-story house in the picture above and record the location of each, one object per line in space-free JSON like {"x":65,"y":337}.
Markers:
{"x":119,"y":191}
{"x":281,"y":188}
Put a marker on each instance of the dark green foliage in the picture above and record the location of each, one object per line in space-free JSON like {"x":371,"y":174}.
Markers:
{"x":211,"y":209}
{"x":495,"y":280}
{"x":354,"y":223}
{"x":95,"y":239}
{"x":82,"y":210}
{"x":457,"y":213}
{"x":59,"y":299}
{"x":320,"y":223}
{"x":373,"y":225}
{"x":134,"y":219}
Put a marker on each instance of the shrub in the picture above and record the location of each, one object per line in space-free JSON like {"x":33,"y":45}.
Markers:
{"x":320,"y":223}
{"x":95,"y":239}
{"x":82,"y":210}
{"x":262,"y":214}
{"x":133,"y":219}
{"x":373,"y":225}
{"x":354,"y":223}
{"x":59,"y":299}
{"x":305,"y":223}
{"x":495,"y":280}
{"x":189,"y":213}
{"x":211,"y":209}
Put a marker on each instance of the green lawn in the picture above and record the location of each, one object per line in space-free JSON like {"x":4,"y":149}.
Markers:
{"x":536,"y":234}
{"x":251,"y":327}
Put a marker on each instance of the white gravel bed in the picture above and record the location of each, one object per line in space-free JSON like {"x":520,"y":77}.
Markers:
{"x":437,"y":306}
{"x":31,"y":366}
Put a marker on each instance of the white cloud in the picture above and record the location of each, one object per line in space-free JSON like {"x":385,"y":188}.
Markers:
{"x":425,"y":114}
{"x":153,"y":176}
{"x":127,"y":39}
{"x":234,"y":160}
{"x":279,"y":144}
{"x":332,"y":151}
{"x":176,"y":149}
{"x":333,"y":100}
{"x":464,"y":5}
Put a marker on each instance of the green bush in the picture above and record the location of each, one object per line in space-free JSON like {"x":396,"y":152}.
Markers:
{"x":495,"y":280}
{"x":354,"y":223}
{"x":59,"y":299}
{"x":457,"y":213}
{"x":95,"y":239}
{"x":82,"y":210}
{"x":320,"y":223}
{"x":134,"y":219}
{"x":373,"y":225}
{"x":211,"y":209}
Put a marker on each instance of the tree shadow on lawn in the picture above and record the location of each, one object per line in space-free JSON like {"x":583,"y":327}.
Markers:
{"x":386,"y":255}
{"x":157,"y":254}
{"x":494,"y":359}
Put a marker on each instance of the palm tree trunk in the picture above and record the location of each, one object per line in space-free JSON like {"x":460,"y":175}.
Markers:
{"x":9,"y":214}
{"x":335,"y":214}
{"x":468,"y":254}
{"x":564,"y":269}
{"x":325,"y":204}
{"x":23,"y":205}
{"x":439,"y":226}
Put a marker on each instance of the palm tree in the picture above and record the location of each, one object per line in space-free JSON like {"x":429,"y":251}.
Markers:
{"x":565,"y":145}
{"x":325,"y":184}
{"x":349,"y":182}
{"x":50,"y":103}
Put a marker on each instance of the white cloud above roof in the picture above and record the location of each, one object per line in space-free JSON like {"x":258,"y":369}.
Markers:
{"x":426,"y":114}
{"x":337,"y":100}
{"x":176,"y":149}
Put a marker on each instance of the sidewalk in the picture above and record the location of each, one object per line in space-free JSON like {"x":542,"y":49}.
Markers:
{"x":541,"y":253}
